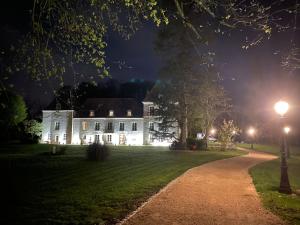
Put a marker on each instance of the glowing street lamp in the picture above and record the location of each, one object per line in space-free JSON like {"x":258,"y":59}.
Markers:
{"x":286,"y":129}
{"x":213,"y":131}
{"x":251,"y":132}
{"x":281,"y":109}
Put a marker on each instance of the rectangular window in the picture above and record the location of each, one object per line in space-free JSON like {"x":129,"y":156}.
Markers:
{"x":151,"y":111}
{"x":111,"y":113}
{"x":97,"y":138}
{"x":92,"y":113}
{"x":151,"y":126}
{"x":134,"y":126}
{"x":129,"y":113}
{"x":84,"y":125}
{"x":109,"y":138}
{"x":84,"y":137}
{"x":56,"y":139}
{"x":121,"y":127}
{"x":65,"y":137}
{"x":56,"y":126}
{"x":97,"y":126}
{"x":49,"y":136}
{"x":109,"y":126}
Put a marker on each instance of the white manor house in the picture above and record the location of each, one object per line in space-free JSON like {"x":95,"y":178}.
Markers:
{"x":116,"y":121}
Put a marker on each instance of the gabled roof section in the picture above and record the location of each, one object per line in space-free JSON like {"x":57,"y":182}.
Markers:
{"x":102,"y":106}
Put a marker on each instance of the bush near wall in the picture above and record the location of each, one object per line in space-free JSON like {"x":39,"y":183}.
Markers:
{"x":97,"y":152}
{"x":195,"y":144}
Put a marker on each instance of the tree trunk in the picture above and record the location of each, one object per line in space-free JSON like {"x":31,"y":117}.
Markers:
{"x":184,"y":129}
{"x":205,"y":140}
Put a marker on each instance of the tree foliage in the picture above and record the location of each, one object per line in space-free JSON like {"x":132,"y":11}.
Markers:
{"x":226,"y":133}
{"x":33,"y":128}
{"x":65,"y":33}
{"x":190,"y":93}
{"x":12,"y":109}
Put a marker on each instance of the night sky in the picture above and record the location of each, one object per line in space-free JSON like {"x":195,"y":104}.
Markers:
{"x":253,"y":78}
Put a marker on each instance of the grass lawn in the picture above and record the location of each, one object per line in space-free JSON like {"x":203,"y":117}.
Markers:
{"x":266,"y":178}
{"x":67,"y":189}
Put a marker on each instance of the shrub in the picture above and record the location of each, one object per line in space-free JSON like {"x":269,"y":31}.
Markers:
{"x":97,"y":152}
{"x":195,"y":144}
{"x":58,"y":150}
{"x":176,"y":145}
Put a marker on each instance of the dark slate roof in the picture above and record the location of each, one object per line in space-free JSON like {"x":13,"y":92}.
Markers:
{"x":101,"y":107}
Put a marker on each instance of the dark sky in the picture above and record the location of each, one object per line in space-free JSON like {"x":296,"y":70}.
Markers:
{"x":253,"y":78}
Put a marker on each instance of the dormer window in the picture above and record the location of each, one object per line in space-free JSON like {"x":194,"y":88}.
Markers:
{"x":92,"y":113}
{"x":129,"y":112}
{"x":111,"y":113}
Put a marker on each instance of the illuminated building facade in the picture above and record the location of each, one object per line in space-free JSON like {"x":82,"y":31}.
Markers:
{"x":116,"y":121}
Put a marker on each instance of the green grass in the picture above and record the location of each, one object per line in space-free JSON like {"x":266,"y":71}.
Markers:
{"x":67,"y":189}
{"x":266,"y":177}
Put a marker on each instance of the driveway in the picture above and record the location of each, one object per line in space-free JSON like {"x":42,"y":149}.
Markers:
{"x":220,"y":192}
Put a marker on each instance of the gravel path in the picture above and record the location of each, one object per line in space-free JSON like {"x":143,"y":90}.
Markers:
{"x":219,"y":192}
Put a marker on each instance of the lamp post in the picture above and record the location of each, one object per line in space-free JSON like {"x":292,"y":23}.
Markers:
{"x":281,"y":108}
{"x":251,"y":133}
{"x":213,"y":131}
{"x":287,"y":130}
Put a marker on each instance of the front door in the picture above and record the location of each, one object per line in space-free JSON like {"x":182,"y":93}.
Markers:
{"x":122,"y":139}
{"x":56,"y":139}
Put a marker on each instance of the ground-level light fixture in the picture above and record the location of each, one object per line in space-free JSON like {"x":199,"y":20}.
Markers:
{"x":281,"y":108}
{"x":251,"y":132}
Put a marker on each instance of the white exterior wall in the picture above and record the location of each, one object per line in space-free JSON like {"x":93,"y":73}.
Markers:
{"x":72,"y":127}
{"x":132,"y":137}
{"x":64,"y":117}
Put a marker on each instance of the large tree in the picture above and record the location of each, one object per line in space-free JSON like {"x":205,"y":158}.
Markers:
{"x":12,"y":112}
{"x":190,"y":93}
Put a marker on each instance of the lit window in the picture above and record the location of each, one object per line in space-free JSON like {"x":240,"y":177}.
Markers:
{"x":109,"y":138}
{"x":109,"y":126}
{"x":97,"y":126}
{"x":65,"y":137}
{"x":151,"y":111}
{"x":92,"y":113}
{"x":129,"y":113}
{"x":97,"y":138}
{"x":121,"y":127}
{"x":151,"y":126}
{"x":111,"y":113}
{"x":56,"y":126}
{"x":84,"y":125}
{"x":134,"y":126}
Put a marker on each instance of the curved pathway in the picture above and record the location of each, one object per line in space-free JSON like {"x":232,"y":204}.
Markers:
{"x":220,"y":192}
